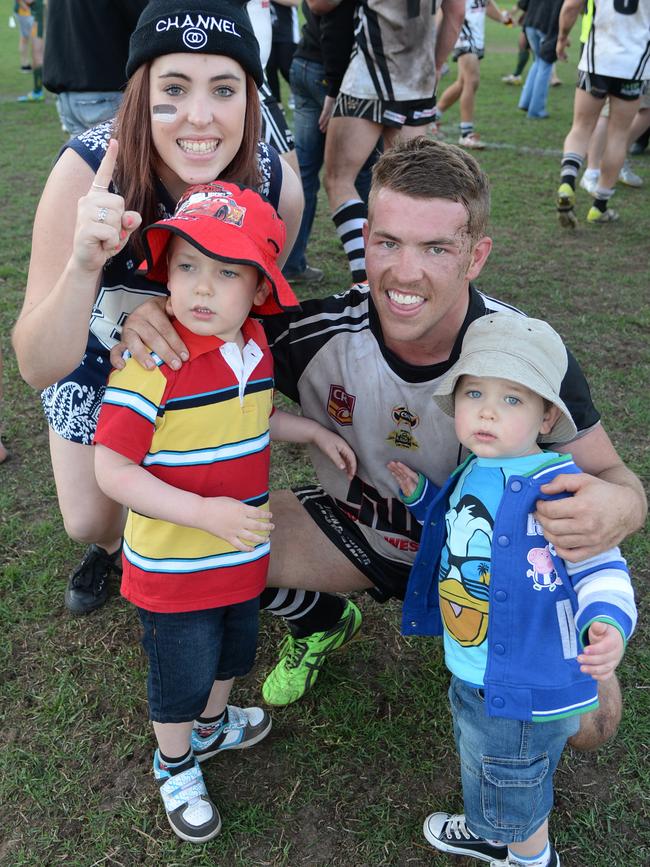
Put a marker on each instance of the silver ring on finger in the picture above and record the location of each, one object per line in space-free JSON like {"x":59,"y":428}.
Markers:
{"x":95,"y":186}
{"x":102,"y":213}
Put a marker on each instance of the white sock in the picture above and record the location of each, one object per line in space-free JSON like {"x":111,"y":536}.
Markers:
{"x":540,"y":860}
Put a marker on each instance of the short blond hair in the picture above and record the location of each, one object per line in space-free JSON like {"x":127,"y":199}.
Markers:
{"x":427,"y":169}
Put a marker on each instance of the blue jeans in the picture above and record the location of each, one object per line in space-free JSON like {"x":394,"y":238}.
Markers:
{"x":79,"y":111}
{"x":535,"y":92}
{"x":189,"y":650}
{"x":507,"y":766}
{"x":309,"y":89}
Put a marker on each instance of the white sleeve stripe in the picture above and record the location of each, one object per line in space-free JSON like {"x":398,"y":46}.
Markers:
{"x":130,"y":400}
{"x":613,"y":582}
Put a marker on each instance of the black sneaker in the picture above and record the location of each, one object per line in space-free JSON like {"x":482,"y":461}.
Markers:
{"x":308,"y":276}
{"x":450,"y":834}
{"x":88,"y":585}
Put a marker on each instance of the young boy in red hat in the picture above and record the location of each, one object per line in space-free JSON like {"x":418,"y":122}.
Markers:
{"x":187,"y":452}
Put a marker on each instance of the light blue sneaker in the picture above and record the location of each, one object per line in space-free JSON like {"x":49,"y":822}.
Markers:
{"x":243,"y":727}
{"x":32,"y":96}
{"x":190,"y":812}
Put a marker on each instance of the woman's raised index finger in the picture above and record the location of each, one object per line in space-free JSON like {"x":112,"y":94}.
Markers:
{"x":106,"y":168}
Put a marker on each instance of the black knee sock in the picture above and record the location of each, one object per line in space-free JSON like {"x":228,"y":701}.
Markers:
{"x":349,"y":220}
{"x":571,"y":164}
{"x":602,"y":197}
{"x":304,"y":610}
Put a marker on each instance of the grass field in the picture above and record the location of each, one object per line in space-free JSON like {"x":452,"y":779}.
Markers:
{"x":347,"y":776}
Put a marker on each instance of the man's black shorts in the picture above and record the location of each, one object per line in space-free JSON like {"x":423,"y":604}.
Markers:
{"x":389,"y":576}
{"x":600,"y":86}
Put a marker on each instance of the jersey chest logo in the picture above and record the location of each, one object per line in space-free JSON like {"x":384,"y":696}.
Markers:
{"x":402,"y":437}
{"x":340,"y":405}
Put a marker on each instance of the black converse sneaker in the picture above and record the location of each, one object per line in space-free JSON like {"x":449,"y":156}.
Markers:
{"x":450,"y":834}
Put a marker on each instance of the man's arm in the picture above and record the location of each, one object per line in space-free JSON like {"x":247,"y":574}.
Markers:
{"x":568,"y":14}
{"x":492,"y":11}
{"x":453,"y":15}
{"x":608,"y":502}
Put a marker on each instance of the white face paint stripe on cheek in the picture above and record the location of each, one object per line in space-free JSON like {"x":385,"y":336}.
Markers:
{"x":164,"y":113}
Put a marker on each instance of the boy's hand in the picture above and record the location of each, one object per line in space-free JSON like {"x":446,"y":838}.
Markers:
{"x":604,"y":651}
{"x":405,"y":477}
{"x":240,"y":525}
{"x":337,"y":450}
{"x":103,"y":225}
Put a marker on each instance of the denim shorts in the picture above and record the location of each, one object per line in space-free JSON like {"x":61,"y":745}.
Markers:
{"x":78,"y":111}
{"x":507,"y":766}
{"x":188,"y":651}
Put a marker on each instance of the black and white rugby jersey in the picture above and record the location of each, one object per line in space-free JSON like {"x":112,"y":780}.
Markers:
{"x":331,"y":359}
{"x":618,"y":44}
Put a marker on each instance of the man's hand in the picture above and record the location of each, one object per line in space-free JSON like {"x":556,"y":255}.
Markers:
{"x":563,"y":42}
{"x":148,"y":328}
{"x":326,"y":113}
{"x":240,"y":525}
{"x":336,"y":449}
{"x":590,"y":521}
{"x":604,"y":651}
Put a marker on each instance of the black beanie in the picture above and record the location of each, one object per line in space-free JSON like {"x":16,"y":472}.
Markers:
{"x":201,"y":26}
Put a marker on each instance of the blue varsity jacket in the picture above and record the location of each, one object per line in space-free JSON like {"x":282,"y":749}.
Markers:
{"x":540,"y":606}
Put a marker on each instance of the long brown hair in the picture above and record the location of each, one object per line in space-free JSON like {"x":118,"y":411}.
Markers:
{"x":136,"y":171}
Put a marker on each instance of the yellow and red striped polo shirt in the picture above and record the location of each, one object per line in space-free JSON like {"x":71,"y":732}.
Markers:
{"x":205,"y":429}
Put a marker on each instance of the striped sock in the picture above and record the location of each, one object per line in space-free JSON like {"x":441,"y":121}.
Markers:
{"x":466,"y":128}
{"x":571,"y":164}
{"x":305,"y":611}
{"x":602,"y":197}
{"x":349,"y":219}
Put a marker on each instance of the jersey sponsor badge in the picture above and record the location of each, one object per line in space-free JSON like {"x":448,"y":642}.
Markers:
{"x":402,"y":437}
{"x":340,"y":405}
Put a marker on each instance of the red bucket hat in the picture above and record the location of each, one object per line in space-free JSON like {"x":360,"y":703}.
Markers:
{"x":229,"y":222}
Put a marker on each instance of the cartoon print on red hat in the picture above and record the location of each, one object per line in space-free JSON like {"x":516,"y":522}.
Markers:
{"x":211,"y":200}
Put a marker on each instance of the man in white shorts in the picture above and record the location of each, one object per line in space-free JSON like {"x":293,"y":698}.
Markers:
{"x":388,"y":90}
{"x":614,"y":63}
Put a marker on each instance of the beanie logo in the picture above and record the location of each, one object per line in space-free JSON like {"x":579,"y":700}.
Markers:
{"x":195,"y":38}
{"x":195,"y":32}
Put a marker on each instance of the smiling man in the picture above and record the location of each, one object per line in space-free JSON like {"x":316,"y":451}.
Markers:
{"x":365,"y":364}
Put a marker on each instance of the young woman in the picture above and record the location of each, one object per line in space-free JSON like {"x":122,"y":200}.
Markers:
{"x":190,"y":114}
